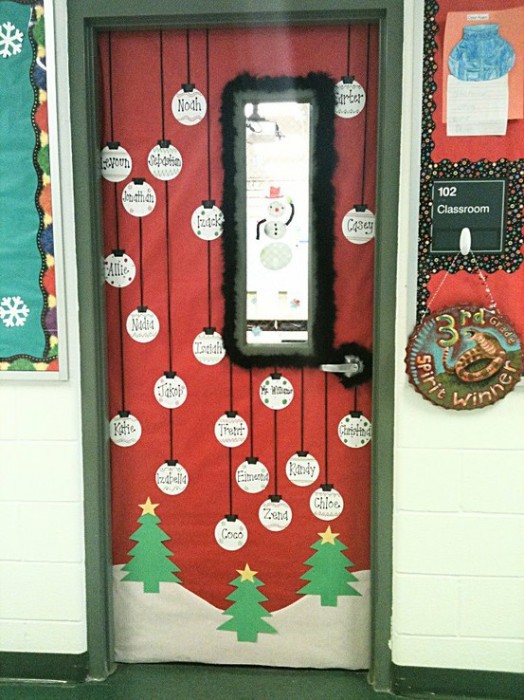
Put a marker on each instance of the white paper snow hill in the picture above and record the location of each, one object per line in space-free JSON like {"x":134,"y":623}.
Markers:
{"x":177,"y":625}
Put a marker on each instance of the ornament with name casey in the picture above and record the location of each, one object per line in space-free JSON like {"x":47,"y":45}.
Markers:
{"x":326,"y":503}
{"x":189,"y":105}
{"x":354,"y":429}
{"x":276,"y":392}
{"x":171,"y":477}
{"x":207,"y":221}
{"x":275,"y":514}
{"x":208,"y":347}
{"x":231,"y":533}
{"x":124,"y":429}
{"x":138,"y":198}
{"x":302,"y":469}
{"x":143,"y":325}
{"x":231,"y":430}
{"x":358,"y":225}
{"x":164,"y":161}
{"x":170,"y":390}
{"x":119,"y":269}
{"x":115,"y":162}
{"x":252,"y":476}
{"x":350,"y":98}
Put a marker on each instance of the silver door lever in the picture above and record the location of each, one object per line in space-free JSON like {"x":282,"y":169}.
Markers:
{"x":353,"y":365}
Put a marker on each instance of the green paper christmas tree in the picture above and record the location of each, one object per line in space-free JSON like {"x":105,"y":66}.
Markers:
{"x":150,"y":563}
{"x":246,"y":611}
{"x":328,"y":576}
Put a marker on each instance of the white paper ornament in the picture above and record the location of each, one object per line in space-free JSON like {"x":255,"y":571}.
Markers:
{"x":326,"y":503}
{"x":170,"y":391}
{"x":124,"y":429}
{"x":171,"y":477}
{"x":231,"y":430}
{"x":207,"y":221}
{"x":275,"y":514}
{"x":354,"y":429}
{"x":115,"y":162}
{"x":143,"y":325}
{"x":208,"y":347}
{"x":252,"y":476}
{"x":119,"y":269}
{"x":138,"y":198}
{"x":276,"y":256}
{"x":189,"y":105}
{"x":302,"y":469}
{"x":276,"y":392}
{"x":358,"y":225}
{"x":231,"y":533}
{"x":350,"y":98}
{"x":164,"y":161}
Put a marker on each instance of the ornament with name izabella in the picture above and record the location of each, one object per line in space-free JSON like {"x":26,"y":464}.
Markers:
{"x":231,"y":533}
{"x":115,"y":162}
{"x":275,"y":514}
{"x":350,"y":98}
{"x":171,"y":477}
{"x":326,"y":503}
{"x":138,"y":198}
{"x":124,"y":429}
{"x":208,"y":347}
{"x":119,"y":269}
{"x":143,"y":325}
{"x":358,"y":225}
{"x":354,"y":429}
{"x":189,"y":105}
{"x":276,"y":392}
{"x":252,"y":476}
{"x":207,"y":221}
{"x":231,"y":429}
{"x":164,"y":161}
{"x":170,"y":390}
{"x":302,"y":469}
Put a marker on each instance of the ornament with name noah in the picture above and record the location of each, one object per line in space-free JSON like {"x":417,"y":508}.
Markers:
{"x":354,"y":430}
{"x":189,"y":105}
{"x":276,"y":392}
{"x":231,"y":533}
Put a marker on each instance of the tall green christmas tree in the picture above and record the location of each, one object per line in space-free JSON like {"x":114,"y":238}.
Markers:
{"x":328,"y":576}
{"x":150,"y":563}
{"x":246,"y":611}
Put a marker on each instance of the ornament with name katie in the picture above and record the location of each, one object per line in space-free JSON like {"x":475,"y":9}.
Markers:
{"x":189,"y":105}
{"x":170,"y":391}
{"x":326,"y":503}
{"x":231,"y":533}
{"x":275,"y":514}
{"x":252,"y":476}
{"x":138,"y":198}
{"x":354,"y":429}
{"x":358,"y":225}
{"x":124,"y":429}
{"x":231,"y":429}
{"x":207,"y":221}
{"x":302,"y":469}
{"x":171,"y":477}
{"x":143,"y":325}
{"x":208,"y":347}
{"x":276,"y":392}
{"x":164,"y":161}
{"x":115,"y":162}
{"x":350,"y":98}
{"x":119,"y":269}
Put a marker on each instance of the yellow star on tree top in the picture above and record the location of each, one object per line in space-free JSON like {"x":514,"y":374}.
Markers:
{"x":246,"y":574}
{"x":328,"y":537}
{"x":148,"y":508}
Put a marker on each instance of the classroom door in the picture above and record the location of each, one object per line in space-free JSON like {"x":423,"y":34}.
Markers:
{"x":240,"y":523}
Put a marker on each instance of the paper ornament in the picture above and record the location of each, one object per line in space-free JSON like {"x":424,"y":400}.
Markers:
{"x":354,"y":429}
{"x":350,"y":98}
{"x":164,"y":161}
{"x":138,"y":198}
{"x":124,"y":429}
{"x":208,"y":347}
{"x":326,"y":503}
{"x":358,"y":225}
{"x":170,"y":391}
{"x":171,"y":477}
{"x":276,"y":392}
{"x":231,"y":429}
{"x":143,"y":325}
{"x":275,"y":514}
{"x":119,"y":269}
{"x":189,"y":105}
{"x":276,"y":256}
{"x":231,"y":533}
{"x":207,"y":221}
{"x":252,"y":476}
{"x":115,"y":162}
{"x":302,"y":469}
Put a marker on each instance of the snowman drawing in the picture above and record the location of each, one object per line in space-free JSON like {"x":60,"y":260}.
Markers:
{"x":280,"y":213}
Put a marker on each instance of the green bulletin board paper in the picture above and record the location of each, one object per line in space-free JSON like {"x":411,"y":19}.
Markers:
{"x":21,"y":299}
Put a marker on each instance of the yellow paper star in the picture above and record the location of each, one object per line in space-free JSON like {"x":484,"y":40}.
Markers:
{"x":328,"y":536}
{"x":148,"y":508}
{"x":246,"y":574}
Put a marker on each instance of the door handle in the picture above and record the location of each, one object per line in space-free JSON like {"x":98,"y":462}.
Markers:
{"x":352,"y":365}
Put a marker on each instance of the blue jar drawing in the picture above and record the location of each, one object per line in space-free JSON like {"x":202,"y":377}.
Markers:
{"x":481,"y":54}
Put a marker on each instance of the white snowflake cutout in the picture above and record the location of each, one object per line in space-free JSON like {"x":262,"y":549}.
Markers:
{"x":10,"y":40}
{"x":13,"y":311}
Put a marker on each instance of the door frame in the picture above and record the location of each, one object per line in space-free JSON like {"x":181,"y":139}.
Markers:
{"x":85,"y":21}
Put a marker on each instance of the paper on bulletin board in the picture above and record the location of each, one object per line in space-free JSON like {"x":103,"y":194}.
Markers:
{"x":483,"y":108}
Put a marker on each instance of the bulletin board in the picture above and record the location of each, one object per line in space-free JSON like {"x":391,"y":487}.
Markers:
{"x":28,"y":296}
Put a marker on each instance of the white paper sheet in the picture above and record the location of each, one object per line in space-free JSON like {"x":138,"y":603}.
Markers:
{"x":477,"y":108}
